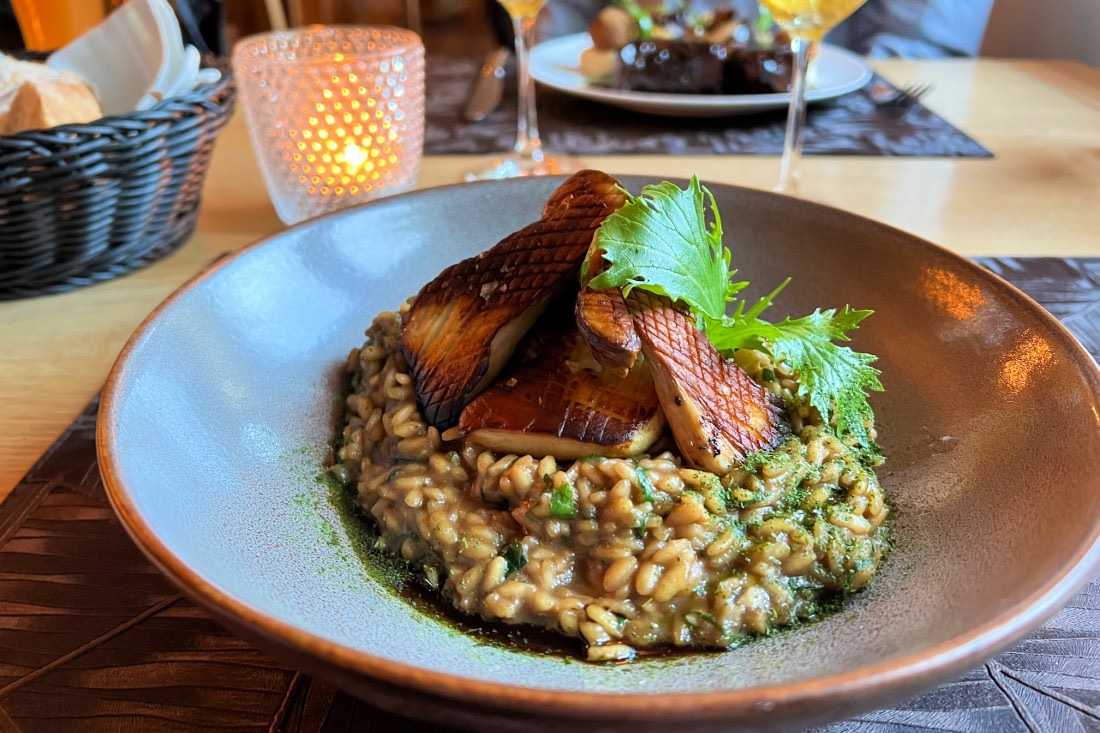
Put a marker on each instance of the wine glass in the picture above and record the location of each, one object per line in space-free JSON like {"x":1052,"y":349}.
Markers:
{"x":806,"y":22}
{"x":527,"y":157}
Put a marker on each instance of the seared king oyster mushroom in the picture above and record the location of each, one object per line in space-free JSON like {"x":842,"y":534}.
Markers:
{"x":717,"y":413}
{"x":603,"y":319}
{"x":558,"y":401}
{"x":465,"y":324}
{"x":605,"y":324}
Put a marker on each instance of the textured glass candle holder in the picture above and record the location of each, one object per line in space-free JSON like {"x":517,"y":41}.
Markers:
{"x":335,"y":113}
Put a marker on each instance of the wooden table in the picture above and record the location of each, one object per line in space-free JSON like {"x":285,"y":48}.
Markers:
{"x":1040,"y":195}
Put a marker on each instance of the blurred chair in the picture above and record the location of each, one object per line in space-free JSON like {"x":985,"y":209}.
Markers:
{"x":303,"y":12}
{"x":1055,"y":29}
{"x":276,"y":14}
{"x":449,"y":27}
{"x":203,"y":24}
{"x":201,"y":21}
{"x":10,"y":37}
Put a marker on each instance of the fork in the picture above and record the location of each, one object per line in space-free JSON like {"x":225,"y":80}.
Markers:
{"x":901,"y":101}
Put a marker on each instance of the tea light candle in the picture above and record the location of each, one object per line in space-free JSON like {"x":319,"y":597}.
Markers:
{"x":335,"y":113}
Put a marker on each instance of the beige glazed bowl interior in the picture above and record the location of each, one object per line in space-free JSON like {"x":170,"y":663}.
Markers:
{"x":216,"y":418}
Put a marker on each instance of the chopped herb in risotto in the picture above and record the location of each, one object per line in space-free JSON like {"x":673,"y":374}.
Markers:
{"x":583,"y":429}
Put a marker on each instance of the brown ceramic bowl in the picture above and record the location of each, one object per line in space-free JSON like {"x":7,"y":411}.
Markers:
{"x":215,"y":419}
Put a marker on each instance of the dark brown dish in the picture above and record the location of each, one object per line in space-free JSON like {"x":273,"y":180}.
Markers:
{"x":989,"y":421}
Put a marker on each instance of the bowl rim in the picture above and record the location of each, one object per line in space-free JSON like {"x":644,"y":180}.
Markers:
{"x":908,"y":672}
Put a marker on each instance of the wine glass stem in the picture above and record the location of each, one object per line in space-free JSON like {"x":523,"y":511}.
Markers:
{"x":528,"y":143}
{"x":796,"y":118}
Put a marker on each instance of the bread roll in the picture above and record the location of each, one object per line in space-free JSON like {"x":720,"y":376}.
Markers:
{"x":40,"y":104}
{"x":597,"y":65}
{"x":34,"y":96}
{"x":612,"y":29}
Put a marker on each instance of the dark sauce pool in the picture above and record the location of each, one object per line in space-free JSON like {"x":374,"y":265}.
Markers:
{"x":407,"y":582}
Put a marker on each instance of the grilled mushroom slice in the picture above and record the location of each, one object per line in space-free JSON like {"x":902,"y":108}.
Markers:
{"x":465,"y":324}
{"x":604,"y":321}
{"x":558,"y":401}
{"x":717,"y":413}
{"x":605,"y":324}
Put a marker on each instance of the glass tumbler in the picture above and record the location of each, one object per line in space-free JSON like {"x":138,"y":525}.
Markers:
{"x":335,"y":113}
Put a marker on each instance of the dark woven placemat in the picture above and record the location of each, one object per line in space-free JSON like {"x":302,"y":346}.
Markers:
{"x":95,"y":639}
{"x":849,"y":125}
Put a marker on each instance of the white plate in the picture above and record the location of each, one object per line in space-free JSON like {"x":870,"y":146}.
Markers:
{"x":556,"y":63}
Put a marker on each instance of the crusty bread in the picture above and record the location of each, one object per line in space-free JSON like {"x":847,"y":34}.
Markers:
{"x":612,"y":29}
{"x":34,"y":96}
{"x":40,"y":104}
{"x":597,"y":65}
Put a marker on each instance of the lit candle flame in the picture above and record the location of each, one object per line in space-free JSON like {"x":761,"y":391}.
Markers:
{"x":352,"y":157}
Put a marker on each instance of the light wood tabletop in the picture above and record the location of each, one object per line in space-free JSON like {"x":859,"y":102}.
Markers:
{"x":1039,"y":195}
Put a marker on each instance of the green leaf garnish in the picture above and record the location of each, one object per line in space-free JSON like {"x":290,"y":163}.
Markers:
{"x":645,"y":483}
{"x":764,"y":22}
{"x":744,"y":329}
{"x":563,"y":505}
{"x":834,"y":378}
{"x":641,"y":16}
{"x":515,"y":555}
{"x":661,"y":242}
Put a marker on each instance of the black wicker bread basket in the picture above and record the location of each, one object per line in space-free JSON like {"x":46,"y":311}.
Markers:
{"x":85,"y":203}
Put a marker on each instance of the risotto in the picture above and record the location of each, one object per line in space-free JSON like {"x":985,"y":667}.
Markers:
{"x":623,"y":553}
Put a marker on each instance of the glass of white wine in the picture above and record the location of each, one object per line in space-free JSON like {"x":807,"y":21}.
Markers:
{"x":806,"y":22}
{"x":527,"y":157}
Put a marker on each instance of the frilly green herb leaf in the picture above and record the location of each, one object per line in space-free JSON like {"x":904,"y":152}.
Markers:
{"x":660,"y":242}
{"x":834,"y":378}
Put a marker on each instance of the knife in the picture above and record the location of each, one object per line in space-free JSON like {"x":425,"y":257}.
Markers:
{"x":487,"y":88}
